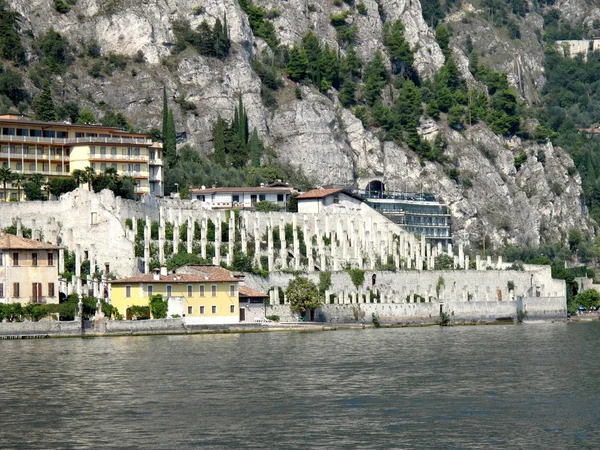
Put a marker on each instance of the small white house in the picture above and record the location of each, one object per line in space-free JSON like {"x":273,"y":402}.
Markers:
{"x":317,"y":200}
{"x":241,"y":197}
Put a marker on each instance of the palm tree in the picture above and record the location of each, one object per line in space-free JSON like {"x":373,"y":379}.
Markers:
{"x":5,"y":176}
{"x":89,"y":176}
{"x":37,"y":178}
{"x":18,"y":180}
{"x":79,"y":176}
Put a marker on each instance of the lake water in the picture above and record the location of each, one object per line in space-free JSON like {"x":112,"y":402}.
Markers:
{"x":527,"y":386}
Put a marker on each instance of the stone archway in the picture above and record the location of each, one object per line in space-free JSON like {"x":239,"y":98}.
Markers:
{"x":375,"y":188}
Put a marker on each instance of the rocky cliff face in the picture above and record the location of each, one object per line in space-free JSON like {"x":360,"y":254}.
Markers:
{"x":490,"y":197}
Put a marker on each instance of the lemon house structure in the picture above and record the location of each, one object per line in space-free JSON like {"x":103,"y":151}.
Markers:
{"x":210,"y":295}
{"x":56,"y":149}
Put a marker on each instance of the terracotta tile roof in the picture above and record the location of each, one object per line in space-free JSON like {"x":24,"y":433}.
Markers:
{"x":203,"y":274}
{"x":319,"y":193}
{"x":245,"y":291}
{"x":12,"y":242}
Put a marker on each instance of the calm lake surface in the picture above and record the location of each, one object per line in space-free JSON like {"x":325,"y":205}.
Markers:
{"x":527,"y":386}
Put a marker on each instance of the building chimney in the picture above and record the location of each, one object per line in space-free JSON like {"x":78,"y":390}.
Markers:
{"x":163,"y":270}
{"x":156,"y":275}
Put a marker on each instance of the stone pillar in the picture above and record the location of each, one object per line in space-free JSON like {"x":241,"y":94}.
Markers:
{"x":147,"y":232}
{"x":190,"y":234}
{"x":217,"y":259}
{"x":488,"y":262}
{"x":335,"y":261}
{"x":461,"y":256}
{"x":176,"y":237}
{"x":270,"y":253}
{"x":283,"y":243}
{"x":467,"y":262}
{"x":244,"y":233}
{"x":19,"y":228}
{"x":499,"y":264}
{"x":203,"y":237}
{"x":257,"y":238}
{"x":477,"y":262}
{"x":296,"y":242}
{"x":450,"y":251}
{"x":231,"y":237}
{"x":61,"y":260}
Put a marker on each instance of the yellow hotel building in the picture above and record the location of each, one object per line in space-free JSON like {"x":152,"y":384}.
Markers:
{"x":56,"y":149}
{"x":208,"y":296}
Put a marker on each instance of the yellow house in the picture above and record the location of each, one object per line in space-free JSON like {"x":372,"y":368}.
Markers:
{"x":208,"y":296}
{"x":28,"y":271}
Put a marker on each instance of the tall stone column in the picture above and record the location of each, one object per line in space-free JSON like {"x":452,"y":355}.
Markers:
{"x":257,"y":238}
{"x":203,"y":237}
{"x":190,"y":235}
{"x":61,"y":260}
{"x":270,"y":252}
{"x":147,"y":232}
{"x":461,"y":256}
{"x":231,"y":237}
{"x":217,"y":260}
{"x":176,"y":237}
{"x":467,"y":262}
{"x":283,"y":244}
{"x":296,"y":242}
{"x":244,"y":233}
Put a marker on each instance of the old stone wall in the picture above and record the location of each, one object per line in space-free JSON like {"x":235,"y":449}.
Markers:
{"x":43,"y":328}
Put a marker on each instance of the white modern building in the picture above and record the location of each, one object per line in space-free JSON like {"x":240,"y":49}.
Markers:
{"x":241,"y":197}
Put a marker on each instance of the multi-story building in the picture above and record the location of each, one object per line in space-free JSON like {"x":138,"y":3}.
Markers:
{"x":209,"y":295}
{"x":28,"y":271}
{"x":417,"y":213}
{"x":55,"y":149}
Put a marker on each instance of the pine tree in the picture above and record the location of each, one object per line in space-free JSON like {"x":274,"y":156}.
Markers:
{"x":297,"y":64}
{"x":351,"y":64}
{"x":376,"y":77}
{"x":44,"y":106}
{"x":170,"y":140}
{"x":312,"y":48}
{"x":243,"y":122}
{"x":329,"y":67}
{"x":219,"y":142}
{"x":206,"y":41}
{"x":401,"y":55}
{"x":255,"y":148}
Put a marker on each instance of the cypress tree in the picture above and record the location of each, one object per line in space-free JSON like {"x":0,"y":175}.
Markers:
{"x":170,"y":140}
{"x":255,"y":148}
{"x":219,"y":142}
{"x":165,"y":113}
{"x":206,"y":44}
{"x":44,"y":106}
{"x":221,"y":39}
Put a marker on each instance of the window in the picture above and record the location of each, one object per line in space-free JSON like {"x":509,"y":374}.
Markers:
{"x":336,"y":198}
{"x":201,"y":290}
{"x":1,"y":290}
{"x":19,"y":166}
{"x":169,"y":290}
{"x":50,"y":289}
{"x":150,"y":290}
{"x":190,"y":309}
{"x":232,"y":290}
{"x":262,"y":197}
{"x":280,"y":197}
{"x":190,"y":290}
{"x":50,"y":259}
{"x":214,"y":309}
{"x":128,"y":291}
{"x":1,"y":259}
{"x":92,"y":151}
{"x":15,"y":259}
{"x":235,"y":198}
{"x":201,"y":308}
{"x":103,"y":167}
{"x":232,"y":309}
{"x":34,"y":260}
{"x":16,"y":290}
{"x":103,"y":151}
{"x":213,"y":290}
{"x":113,"y":151}
{"x":36,"y":292}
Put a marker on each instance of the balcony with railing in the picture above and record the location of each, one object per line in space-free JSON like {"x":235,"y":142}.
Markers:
{"x":115,"y":157}
{"x":74,"y":141}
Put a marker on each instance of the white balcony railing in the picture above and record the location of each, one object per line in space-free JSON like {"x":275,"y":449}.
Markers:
{"x":70,"y":141}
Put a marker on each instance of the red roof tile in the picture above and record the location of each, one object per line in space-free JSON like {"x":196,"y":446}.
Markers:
{"x":203,"y":274}
{"x":12,"y":242}
{"x":319,"y":193}
{"x":245,"y":291}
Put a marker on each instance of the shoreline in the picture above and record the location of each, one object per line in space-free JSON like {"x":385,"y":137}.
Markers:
{"x":98,"y":329}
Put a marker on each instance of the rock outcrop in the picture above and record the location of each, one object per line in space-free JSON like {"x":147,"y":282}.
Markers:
{"x":488,"y":197}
